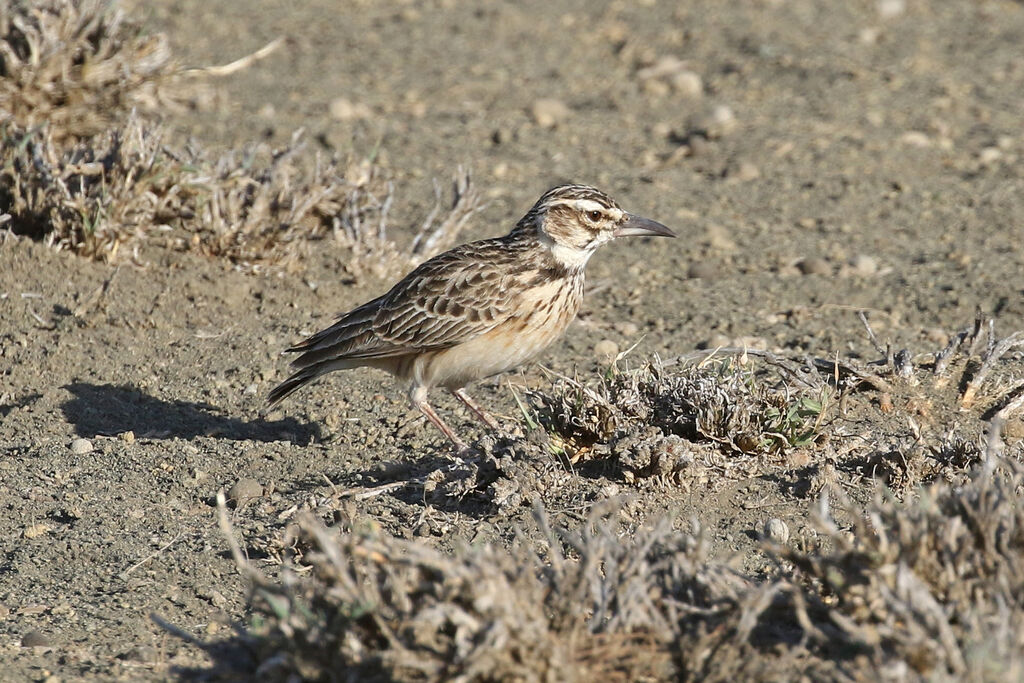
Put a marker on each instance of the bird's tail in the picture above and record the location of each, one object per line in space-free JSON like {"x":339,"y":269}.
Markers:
{"x":304,"y":376}
{"x":292,"y":384}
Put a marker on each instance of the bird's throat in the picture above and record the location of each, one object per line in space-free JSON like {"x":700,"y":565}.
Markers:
{"x":570,"y":257}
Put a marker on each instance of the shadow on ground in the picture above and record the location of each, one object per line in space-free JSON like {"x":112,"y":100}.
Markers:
{"x":108,"y":409}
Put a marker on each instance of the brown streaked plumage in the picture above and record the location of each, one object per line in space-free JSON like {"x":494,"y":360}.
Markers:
{"x":477,"y":310}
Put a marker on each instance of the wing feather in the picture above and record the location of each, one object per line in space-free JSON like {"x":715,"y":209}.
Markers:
{"x":448,"y":300}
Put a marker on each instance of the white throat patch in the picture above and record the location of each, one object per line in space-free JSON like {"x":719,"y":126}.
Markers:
{"x":568,"y":256}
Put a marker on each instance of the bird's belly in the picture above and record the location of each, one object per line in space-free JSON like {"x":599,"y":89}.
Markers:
{"x":504,"y":348}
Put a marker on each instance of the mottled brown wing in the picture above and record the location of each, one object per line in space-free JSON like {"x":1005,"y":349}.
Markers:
{"x":448,"y":300}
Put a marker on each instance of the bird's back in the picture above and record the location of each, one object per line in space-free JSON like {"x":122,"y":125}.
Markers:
{"x":447,"y":300}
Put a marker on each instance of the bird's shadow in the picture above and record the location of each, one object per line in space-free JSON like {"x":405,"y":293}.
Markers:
{"x":107,"y":409}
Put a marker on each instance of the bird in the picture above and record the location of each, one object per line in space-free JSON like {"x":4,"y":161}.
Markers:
{"x":478,"y":310}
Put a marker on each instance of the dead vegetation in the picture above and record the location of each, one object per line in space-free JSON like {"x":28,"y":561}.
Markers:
{"x":126,"y":189}
{"x":648,"y":421}
{"x":74,"y":67}
{"x":83,"y":169}
{"x":899,"y":591}
{"x":722,"y":402}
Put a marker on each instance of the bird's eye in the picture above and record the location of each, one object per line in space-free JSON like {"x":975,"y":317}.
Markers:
{"x":594,"y":216}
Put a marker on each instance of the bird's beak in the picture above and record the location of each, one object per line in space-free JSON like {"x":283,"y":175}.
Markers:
{"x":637,"y":226}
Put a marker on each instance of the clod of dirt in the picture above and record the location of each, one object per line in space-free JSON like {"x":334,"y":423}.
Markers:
{"x":814,"y":266}
{"x":606,"y":350}
{"x":81,"y":446}
{"x":244,"y":491}
{"x":549,"y":113}
{"x":777,"y":530}
{"x":36,"y":639}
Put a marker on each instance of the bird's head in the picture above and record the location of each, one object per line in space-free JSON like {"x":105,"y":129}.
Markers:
{"x":574,"y":220}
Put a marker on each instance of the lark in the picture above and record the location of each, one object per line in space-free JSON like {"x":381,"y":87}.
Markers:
{"x":477,"y":310}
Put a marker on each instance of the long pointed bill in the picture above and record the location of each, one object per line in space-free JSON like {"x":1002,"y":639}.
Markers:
{"x":637,"y":226}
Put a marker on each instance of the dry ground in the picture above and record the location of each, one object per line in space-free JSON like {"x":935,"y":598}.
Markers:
{"x":817,"y":159}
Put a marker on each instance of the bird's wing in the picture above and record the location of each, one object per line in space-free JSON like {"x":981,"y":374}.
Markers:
{"x":447,"y":300}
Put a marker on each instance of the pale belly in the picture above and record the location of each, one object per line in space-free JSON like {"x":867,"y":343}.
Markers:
{"x":505,"y":348}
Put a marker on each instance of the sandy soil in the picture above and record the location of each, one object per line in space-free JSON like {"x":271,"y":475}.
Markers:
{"x":867,"y":156}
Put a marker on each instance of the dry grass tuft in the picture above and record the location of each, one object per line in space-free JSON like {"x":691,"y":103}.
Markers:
{"x":80,"y":169}
{"x":912,"y":591}
{"x":644,"y":418}
{"x":75,"y":66}
{"x":930,"y":588}
{"x":124,"y":189}
{"x":587,"y":607}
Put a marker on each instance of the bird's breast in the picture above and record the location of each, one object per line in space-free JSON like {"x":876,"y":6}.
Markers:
{"x":541,"y":317}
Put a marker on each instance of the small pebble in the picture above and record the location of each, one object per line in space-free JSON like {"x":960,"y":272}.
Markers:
{"x":887,"y":9}
{"x":342,"y":109}
{"x":688,"y":83}
{"x":548,"y":113}
{"x":990,"y":155}
{"x":35,"y":639}
{"x":606,"y":350}
{"x":718,"y":122}
{"x":81,"y":446}
{"x":663,"y":67}
{"x":127,"y":437}
{"x":628,"y":329}
{"x":777,"y":530}
{"x":868,"y":35}
{"x":702,"y":270}
{"x":671,"y":71}
{"x":864,"y":265}
{"x":744,"y":171}
{"x":916,"y":138}
{"x":814,"y":266}
{"x":245,"y":490}
{"x":718,"y":238}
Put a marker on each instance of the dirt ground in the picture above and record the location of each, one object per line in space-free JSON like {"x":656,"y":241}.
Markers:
{"x":816,"y":159}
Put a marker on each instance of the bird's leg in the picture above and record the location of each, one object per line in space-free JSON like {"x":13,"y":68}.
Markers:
{"x":484,"y":416}
{"x":418,"y":396}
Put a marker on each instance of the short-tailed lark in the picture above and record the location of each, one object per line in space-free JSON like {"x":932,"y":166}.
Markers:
{"x":477,"y":310}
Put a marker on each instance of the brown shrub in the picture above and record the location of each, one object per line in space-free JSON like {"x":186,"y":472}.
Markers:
{"x":82,"y":170}
{"x":656,"y":410}
{"x":915,"y":591}
{"x":125,"y":187}
{"x":76,"y":66}
{"x":587,"y":607}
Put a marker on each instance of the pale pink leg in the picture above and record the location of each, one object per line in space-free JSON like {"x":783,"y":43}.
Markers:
{"x":484,"y":416}
{"x":419,"y":399}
